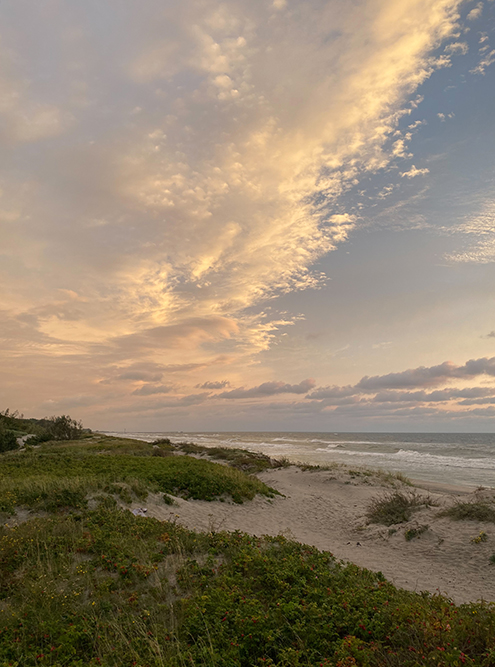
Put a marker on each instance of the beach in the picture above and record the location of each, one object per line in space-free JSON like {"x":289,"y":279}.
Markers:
{"x":327,"y":509}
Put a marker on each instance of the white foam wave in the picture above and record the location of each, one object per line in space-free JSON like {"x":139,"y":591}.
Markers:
{"x":433,"y":460}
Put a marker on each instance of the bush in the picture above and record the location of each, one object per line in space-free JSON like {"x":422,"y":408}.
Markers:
{"x":38,"y":438}
{"x":8,"y":441}
{"x":64,"y":428}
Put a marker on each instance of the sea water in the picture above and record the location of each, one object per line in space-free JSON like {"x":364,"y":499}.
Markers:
{"x":450,"y":458}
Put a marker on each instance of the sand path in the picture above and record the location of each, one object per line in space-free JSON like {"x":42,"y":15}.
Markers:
{"x":327,"y":509}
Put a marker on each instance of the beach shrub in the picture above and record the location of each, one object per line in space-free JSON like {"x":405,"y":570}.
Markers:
{"x":105,"y":587}
{"x":162,"y":441}
{"x":395,"y":507}
{"x":475,"y":510}
{"x":8,"y":440}
{"x":64,"y":428}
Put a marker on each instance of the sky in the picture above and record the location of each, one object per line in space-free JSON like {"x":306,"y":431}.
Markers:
{"x":249,"y":214}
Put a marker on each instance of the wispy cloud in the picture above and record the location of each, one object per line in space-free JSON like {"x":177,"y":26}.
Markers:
{"x":185,"y":165}
{"x":270,"y":389}
{"x":479,"y":231}
{"x":220,"y":384}
{"x":414,"y":171}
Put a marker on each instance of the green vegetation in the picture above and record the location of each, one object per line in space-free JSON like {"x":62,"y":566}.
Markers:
{"x":41,"y":430}
{"x":414,"y":532}
{"x":8,"y":439}
{"x":90,"y":584}
{"x":476,"y":510}
{"x":482,"y":537}
{"x":106,"y":588}
{"x":241,"y":459}
{"x":47,"y":480}
{"x":395,"y":507}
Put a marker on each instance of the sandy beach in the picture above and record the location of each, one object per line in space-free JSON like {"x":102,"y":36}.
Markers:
{"x":327,"y":509}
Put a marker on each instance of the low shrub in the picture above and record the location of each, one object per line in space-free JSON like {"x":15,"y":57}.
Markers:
{"x":105,"y":587}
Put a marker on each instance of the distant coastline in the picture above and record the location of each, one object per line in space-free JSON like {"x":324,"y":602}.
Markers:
{"x":464,"y":460}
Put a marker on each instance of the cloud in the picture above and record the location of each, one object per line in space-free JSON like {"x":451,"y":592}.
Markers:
{"x":270,"y":389}
{"x":476,"y":12}
{"x":438,"y":396}
{"x":487,"y":59}
{"x":139,"y":375}
{"x":183,"y":169}
{"x":414,"y":171}
{"x":332,"y":392}
{"x":151,"y":389}
{"x":479,"y":232}
{"x":457,"y":48}
{"x":220,"y":384}
{"x":187,"y":334}
{"x":428,"y":376}
{"x":70,"y":402}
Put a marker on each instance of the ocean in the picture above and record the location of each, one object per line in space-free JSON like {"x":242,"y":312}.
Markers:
{"x":449,"y":458}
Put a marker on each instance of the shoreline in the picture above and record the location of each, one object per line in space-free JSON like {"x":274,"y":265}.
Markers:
{"x":435,"y":459}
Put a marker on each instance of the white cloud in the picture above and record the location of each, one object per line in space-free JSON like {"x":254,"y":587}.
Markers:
{"x":457,"y":48}
{"x":486,"y":60}
{"x":414,"y":171}
{"x":476,"y":12}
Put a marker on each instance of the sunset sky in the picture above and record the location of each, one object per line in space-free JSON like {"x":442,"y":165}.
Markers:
{"x":249,"y":214}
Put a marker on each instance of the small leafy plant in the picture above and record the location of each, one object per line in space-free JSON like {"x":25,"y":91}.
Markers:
{"x":411,"y":533}
{"x":482,"y":537}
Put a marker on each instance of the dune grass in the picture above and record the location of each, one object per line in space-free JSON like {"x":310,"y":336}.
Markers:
{"x":476,"y":510}
{"x":395,"y":507}
{"x":48,"y":479}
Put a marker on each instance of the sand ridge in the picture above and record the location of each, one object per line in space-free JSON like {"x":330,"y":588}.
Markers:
{"x":326,"y":509}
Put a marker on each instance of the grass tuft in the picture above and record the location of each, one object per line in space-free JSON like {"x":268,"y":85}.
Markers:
{"x":476,"y":510}
{"x":395,"y":507}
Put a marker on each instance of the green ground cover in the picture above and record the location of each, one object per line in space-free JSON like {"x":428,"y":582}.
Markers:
{"x":107,"y":588}
{"x":85,"y":587}
{"x":48,"y":479}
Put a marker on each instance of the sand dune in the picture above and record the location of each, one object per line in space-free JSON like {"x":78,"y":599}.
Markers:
{"x":327,"y":509}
